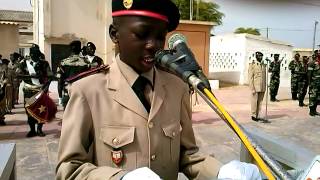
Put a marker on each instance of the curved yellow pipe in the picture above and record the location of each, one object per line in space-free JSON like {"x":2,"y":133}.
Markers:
{"x":242,"y":136}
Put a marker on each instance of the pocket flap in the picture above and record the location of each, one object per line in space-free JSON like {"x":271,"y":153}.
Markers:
{"x":117,"y":136}
{"x":171,"y":130}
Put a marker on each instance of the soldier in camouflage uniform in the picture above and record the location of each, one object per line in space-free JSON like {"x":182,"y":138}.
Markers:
{"x":274,"y":69}
{"x":303,"y":81}
{"x":314,"y":81}
{"x":69,"y":67}
{"x":294,"y":67}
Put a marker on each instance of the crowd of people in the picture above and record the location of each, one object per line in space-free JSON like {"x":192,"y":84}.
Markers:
{"x":80,"y":60}
{"x":36,"y":74}
{"x":9,"y":85}
{"x":305,"y":74}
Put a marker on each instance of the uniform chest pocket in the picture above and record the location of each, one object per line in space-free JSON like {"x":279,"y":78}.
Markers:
{"x":172,"y":142}
{"x":117,"y":136}
{"x":119,"y":148}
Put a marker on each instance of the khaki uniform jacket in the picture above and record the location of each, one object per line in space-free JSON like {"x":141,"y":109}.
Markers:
{"x":257,"y":77}
{"x":104,"y":114}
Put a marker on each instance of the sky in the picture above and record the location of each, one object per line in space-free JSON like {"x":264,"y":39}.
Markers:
{"x":22,"y":5}
{"x":291,"y":21}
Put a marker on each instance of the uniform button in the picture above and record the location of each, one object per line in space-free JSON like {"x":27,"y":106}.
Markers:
{"x":174,"y":134}
{"x":115,"y":141}
{"x":150,"y":125}
{"x":153,"y":157}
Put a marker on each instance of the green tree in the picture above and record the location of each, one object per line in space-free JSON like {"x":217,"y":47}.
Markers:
{"x":202,"y":11}
{"x":253,"y":31}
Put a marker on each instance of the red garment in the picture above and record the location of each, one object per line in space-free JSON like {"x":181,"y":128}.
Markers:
{"x":41,"y":107}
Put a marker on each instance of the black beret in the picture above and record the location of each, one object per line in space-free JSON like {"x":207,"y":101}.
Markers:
{"x":164,"y":10}
{"x":34,"y":47}
{"x":90,"y":44}
{"x":276,"y":55}
{"x":75,"y":43}
{"x":5,"y":61}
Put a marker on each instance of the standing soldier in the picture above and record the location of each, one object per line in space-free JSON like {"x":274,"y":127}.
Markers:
{"x":5,"y":90}
{"x":294,"y":67}
{"x":274,"y":69}
{"x":69,"y":67}
{"x":95,"y":61}
{"x":8,"y":75}
{"x":257,"y":83}
{"x":15,"y":57}
{"x":303,"y":82}
{"x":35,"y":73}
{"x":314,"y":81}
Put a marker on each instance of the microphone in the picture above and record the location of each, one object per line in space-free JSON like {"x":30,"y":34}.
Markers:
{"x":180,"y":61}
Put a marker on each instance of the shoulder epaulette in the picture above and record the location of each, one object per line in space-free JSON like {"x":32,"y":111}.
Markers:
{"x":81,"y":75}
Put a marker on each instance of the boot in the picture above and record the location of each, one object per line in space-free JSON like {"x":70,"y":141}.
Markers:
{"x":254,"y":119}
{"x":264,"y":120}
{"x":2,"y":123}
{"x":301,"y":104}
{"x":313,"y":111}
{"x":39,"y":130}
{"x":273,"y":99}
{"x":294,"y":96}
{"x":32,"y":131}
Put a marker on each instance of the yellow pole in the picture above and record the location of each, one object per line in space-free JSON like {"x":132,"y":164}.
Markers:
{"x":242,"y":136}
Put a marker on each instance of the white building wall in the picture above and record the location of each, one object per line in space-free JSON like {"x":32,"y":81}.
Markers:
{"x":61,"y":21}
{"x":226,"y":59}
{"x":231,"y":54}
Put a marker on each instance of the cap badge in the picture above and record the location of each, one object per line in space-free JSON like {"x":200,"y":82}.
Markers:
{"x":127,"y":3}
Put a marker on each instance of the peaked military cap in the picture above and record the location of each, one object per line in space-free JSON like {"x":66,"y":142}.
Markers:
{"x":90,"y":44}
{"x":164,"y":10}
{"x":258,"y":53}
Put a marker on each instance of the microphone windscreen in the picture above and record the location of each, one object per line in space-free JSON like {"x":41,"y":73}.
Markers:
{"x":175,"y":39}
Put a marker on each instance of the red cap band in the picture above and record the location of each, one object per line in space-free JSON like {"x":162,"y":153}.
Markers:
{"x":140,"y":13}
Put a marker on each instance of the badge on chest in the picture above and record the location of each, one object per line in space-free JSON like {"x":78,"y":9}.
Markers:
{"x":117,"y":156}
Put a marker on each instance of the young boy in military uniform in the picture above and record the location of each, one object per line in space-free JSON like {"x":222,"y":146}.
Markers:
{"x":129,"y":116}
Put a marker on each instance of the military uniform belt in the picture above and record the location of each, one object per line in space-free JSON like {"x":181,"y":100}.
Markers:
{"x":31,"y":86}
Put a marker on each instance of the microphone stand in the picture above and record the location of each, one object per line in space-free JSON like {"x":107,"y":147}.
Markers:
{"x":188,"y":70}
{"x":260,"y":156}
{"x":267,"y":90}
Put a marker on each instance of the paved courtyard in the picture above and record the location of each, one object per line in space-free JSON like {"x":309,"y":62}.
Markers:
{"x":37,"y":157}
